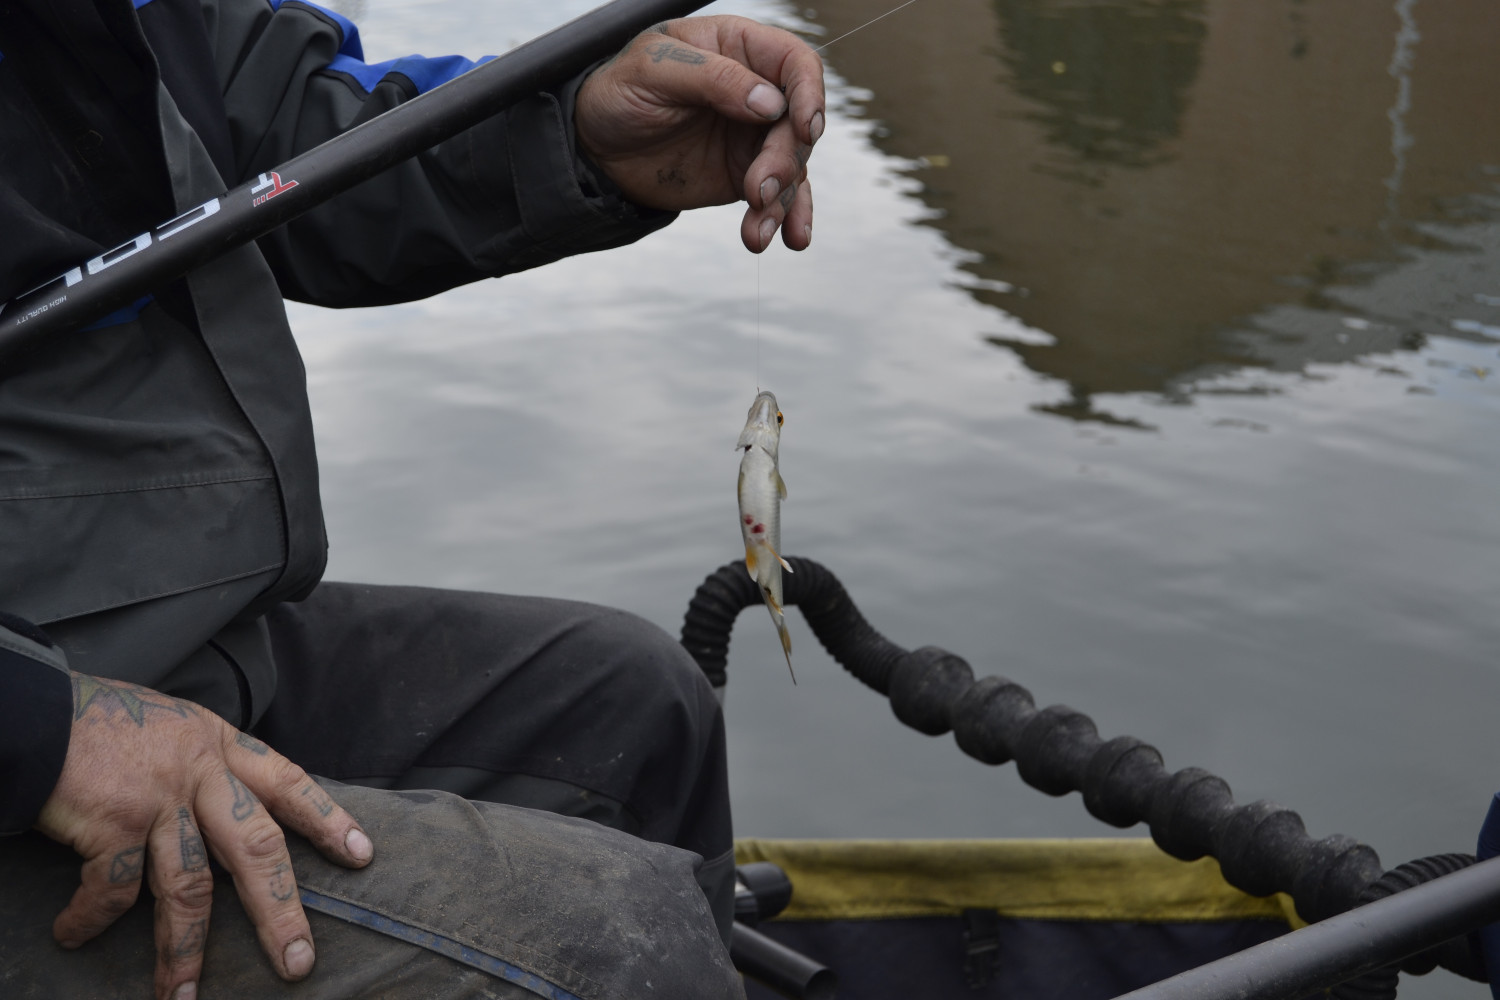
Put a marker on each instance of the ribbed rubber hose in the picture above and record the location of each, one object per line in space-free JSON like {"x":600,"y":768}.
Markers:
{"x":1458,"y":954}
{"x":1261,"y":847}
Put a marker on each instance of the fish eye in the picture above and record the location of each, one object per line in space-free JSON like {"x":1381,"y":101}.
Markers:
{"x":779,"y":418}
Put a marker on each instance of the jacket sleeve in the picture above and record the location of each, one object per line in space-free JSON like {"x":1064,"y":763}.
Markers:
{"x":36,"y":718}
{"x":509,"y":194}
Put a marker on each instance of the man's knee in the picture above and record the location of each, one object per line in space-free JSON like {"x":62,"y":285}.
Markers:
{"x":591,"y":910}
{"x":649,"y":670}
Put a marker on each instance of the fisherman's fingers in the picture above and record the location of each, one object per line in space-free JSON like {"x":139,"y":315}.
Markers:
{"x":184,"y":889}
{"x":250,"y":845}
{"x":791,"y":212}
{"x":110,"y":884}
{"x":772,"y":54}
{"x":796,"y":230}
{"x":296,"y":800}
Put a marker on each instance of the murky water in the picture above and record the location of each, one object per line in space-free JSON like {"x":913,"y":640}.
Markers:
{"x":1148,"y":353}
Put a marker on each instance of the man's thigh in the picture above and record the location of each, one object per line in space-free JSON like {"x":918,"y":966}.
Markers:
{"x":375,"y":683}
{"x":462,"y":900}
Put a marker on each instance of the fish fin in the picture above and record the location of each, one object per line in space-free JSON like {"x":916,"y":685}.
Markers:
{"x":780,"y":483}
{"x":786,"y":647}
{"x":784,"y":564}
{"x":778,"y":617}
{"x":750,"y":561}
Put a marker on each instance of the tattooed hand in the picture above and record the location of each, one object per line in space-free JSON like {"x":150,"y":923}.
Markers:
{"x":706,"y":111}
{"x":151,"y":787}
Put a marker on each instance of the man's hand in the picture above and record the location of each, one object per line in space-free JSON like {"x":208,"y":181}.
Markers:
{"x":706,"y":111}
{"x":150,"y":788}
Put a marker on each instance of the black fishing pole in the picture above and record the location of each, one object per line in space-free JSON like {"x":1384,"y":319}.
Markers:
{"x":125,"y":274}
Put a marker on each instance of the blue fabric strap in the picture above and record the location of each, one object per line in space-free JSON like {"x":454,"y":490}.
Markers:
{"x":444,"y":946}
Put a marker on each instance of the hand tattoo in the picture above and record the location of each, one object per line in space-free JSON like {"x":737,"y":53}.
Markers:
{"x":112,"y":696}
{"x":192,"y":940}
{"x":674,"y":178}
{"x":676,"y":53}
{"x":283,"y":884}
{"x":318,"y":798}
{"x":244,"y":799}
{"x":128,"y":865}
{"x":252,"y":744}
{"x":190,"y":842}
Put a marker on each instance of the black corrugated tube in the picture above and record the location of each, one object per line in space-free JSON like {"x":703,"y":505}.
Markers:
{"x":1261,"y":847}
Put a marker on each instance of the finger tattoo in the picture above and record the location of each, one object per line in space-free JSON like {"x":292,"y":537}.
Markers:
{"x":244,"y":799}
{"x":128,"y":865}
{"x":252,"y":744}
{"x":191,"y":942}
{"x":194,"y":857}
{"x":283,"y":883}
{"x":673,"y":52}
{"x":319,"y":799}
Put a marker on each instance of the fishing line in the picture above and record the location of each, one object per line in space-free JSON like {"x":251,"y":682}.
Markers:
{"x":820,"y":48}
{"x":872,"y":20}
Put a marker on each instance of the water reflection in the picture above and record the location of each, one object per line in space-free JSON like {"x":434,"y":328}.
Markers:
{"x":1146,"y":180}
{"x":1401,"y":64}
{"x":1111,"y":79}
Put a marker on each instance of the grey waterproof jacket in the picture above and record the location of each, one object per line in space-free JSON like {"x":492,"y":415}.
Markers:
{"x":158,"y":486}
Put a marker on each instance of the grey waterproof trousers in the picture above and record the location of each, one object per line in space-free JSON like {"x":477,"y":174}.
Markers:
{"x":555,"y":705}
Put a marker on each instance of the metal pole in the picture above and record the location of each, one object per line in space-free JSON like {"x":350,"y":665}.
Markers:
{"x":779,"y":968}
{"x":1347,"y":945}
{"x":120,"y":276}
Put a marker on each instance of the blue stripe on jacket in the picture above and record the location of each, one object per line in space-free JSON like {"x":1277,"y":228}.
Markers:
{"x":425,"y":73}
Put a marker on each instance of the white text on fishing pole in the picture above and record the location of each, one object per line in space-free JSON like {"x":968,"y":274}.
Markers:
{"x":109,"y":258}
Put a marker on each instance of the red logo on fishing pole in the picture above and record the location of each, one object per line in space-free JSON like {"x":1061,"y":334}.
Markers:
{"x":271,"y":179}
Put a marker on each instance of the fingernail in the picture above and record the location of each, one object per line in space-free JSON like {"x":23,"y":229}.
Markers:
{"x":816,"y":126}
{"x":807,"y":233}
{"x":358,"y":845}
{"x":769,"y":189}
{"x":186,"y":991}
{"x":767,"y":230}
{"x":298,"y":958}
{"x":766,"y":101}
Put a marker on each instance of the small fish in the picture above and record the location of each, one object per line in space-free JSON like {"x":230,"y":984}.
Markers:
{"x":761,"y":492}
